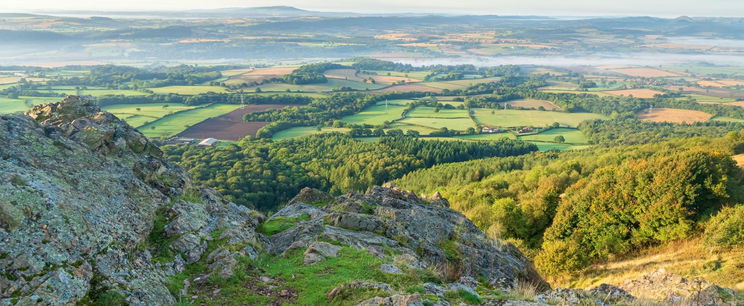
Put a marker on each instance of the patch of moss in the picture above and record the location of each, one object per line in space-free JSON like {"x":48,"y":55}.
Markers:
{"x":280,"y":224}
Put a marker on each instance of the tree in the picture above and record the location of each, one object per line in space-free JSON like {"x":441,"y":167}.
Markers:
{"x":559,"y":139}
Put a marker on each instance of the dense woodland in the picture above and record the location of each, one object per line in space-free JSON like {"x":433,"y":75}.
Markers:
{"x":568,"y":210}
{"x":264,"y":174}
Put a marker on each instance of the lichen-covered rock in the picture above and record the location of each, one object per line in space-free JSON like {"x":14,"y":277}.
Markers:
{"x":87,"y":203}
{"x":395,"y":300}
{"x":388,"y":222}
{"x":664,"y":286}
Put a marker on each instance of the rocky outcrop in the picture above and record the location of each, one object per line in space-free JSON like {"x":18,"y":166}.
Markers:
{"x":671,"y":288}
{"x":88,"y":207}
{"x":389,"y":222}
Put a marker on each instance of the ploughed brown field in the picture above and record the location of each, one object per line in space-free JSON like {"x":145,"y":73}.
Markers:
{"x":673,"y":115}
{"x":229,"y":126}
{"x":250,"y":75}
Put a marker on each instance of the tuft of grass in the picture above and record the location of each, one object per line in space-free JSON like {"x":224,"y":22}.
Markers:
{"x":158,"y":240}
{"x":464,"y":296}
{"x":280,"y":224}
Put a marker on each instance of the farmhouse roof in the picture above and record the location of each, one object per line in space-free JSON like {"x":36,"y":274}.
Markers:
{"x":208,"y":142}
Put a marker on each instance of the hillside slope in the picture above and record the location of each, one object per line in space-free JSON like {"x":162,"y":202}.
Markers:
{"x":91,"y":213}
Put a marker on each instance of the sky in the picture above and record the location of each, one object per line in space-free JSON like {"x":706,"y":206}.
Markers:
{"x":662,"y":8}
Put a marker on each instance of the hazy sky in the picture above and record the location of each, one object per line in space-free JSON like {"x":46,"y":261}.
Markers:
{"x":665,"y":8}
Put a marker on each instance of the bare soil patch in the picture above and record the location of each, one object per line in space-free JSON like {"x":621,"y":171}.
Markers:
{"x":673,"y":115}
{"x":229,"y":126}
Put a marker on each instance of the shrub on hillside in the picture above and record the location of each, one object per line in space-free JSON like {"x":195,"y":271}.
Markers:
{"x":726,"y":228}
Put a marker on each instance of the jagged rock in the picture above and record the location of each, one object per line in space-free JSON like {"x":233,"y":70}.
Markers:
{"x":432,"y":288}
{"x":663,"y":286}
{"x":79,"y":193}
{"x":318,"y":250}
{"x":310,"y":196}
{"x":410,"y":261}
{"x":390,"y":269}
{"x":402,"y":225}
{"x":342,"y":291}
{"x":395,"y":300}
{"x":611,"y":293}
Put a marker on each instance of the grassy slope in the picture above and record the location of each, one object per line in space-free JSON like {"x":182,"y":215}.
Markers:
{"x":689,"y":258}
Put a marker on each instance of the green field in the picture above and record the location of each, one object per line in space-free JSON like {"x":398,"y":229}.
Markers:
{"x":301,"y":131}
{"x":429,"y":112}
{"x":519,"y":118}
{"x":459,"y":124}
{"x":23,"y":103}
{"x":96,"y":92}
{"x":727,"y":119}
{"x":572,"y":136}
{"x":147,"y":113}
{"x":8,"y":106}
{"x":376,"y":115}
{"x":189,"y":90}
{"x":544,"y":146}
{"x":419,"y":75}
{"x":322,"y":87}
{"x":173,"y":124}
{"x":704,"y":98}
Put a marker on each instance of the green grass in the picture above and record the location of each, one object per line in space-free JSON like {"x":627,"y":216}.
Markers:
{"x":96,"y":92}
{"x":546,"y":146}
{"x":8,"y":106}
{"x":376,"y":115}
{"x":189,"y":90}
{"x":321,"y":87}
{"x":704,"y":98}
{"x":147,"y":112}
{"x":459,"y":124}
{"x":280,"y":224}
{"x":519,"y":118}
{"x":173,"y":124}
{"x":572,"y":136}
{"x":301,"y":131}
{"x":429,"y":112}
{"x":23,"y":104}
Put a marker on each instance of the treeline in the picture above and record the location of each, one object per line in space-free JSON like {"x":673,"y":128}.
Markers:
{"x":263,"y":174}
{"x":323,"y":111}
{"x":125,"y":77}
{"x":311,"y":73}
{"x":363,"y":63}
{"x":459,"y":72}
{"x":207,"y":98}
{"x":633,"y":131}
{"x":568,"y":210}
